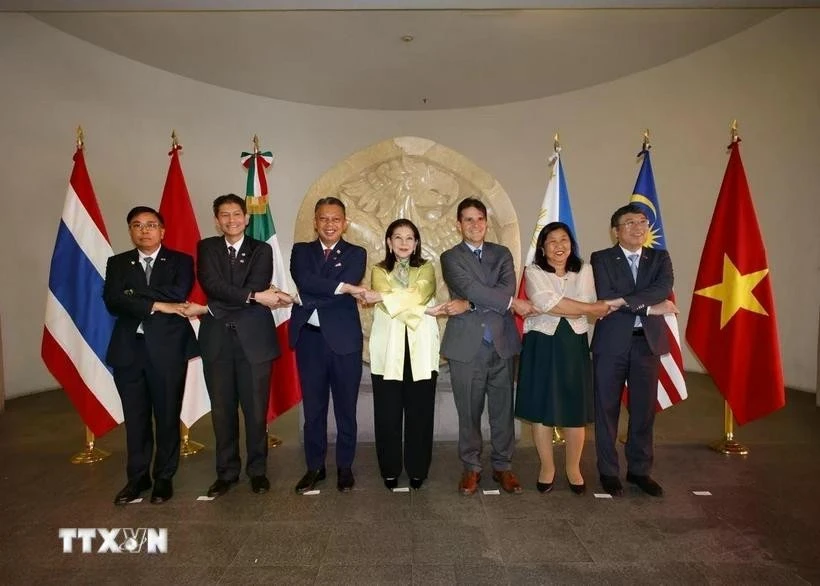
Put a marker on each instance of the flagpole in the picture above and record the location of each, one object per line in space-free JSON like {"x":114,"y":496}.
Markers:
{"x":728,"y":445}
{"x":187,"y":447}
{"x":274,"y":441}
{"x":89,"y":454}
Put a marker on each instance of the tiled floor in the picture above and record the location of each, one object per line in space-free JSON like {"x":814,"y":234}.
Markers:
{"x":760,"y":526}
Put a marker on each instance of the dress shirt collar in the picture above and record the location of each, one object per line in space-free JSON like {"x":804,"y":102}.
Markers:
{"x":236,"y":245}
{"x":153,"y":255}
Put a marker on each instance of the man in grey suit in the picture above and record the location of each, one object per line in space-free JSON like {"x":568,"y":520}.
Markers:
{"x":627,"y":345}
{"x":480,"y":344}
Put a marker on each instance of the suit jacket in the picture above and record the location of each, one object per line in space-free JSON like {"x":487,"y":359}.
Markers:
{"x":170,"y":339}
{"x":489,"y":284}
{"x":317,"y":280}
{"x":228,"y":288}
{"x":613,"y":279}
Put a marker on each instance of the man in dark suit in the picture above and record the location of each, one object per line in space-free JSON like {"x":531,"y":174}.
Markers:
{"x":480,"y":344}
{"x":149,"y":350}
{"x":326,"y":333}
{"x":238,"y":340}
{"x":627,"y":345}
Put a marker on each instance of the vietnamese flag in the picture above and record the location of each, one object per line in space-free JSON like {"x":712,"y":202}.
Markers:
{"x":732,"y":327}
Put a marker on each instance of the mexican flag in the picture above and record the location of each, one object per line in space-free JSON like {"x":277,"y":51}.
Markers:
{"x":285,"y":390}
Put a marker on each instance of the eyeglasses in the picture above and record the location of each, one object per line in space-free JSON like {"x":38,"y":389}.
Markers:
{"x":635,"y":224}
{"x":138,"y":226}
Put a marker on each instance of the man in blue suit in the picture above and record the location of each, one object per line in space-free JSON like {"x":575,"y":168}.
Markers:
{"x":627,"y":345}
{"x":326,"y":333}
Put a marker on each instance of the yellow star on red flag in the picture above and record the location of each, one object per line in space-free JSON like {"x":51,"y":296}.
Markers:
{"x":735,"y":291}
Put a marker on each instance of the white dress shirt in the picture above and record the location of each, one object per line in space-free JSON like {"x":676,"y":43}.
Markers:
{"x":545,"y":290}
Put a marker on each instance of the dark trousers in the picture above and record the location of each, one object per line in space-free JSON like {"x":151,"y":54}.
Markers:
{"x":322,"y":373}
{"x":147,"y":390}
{"x":232,"y":382}
{"x":638,"y":367}
{"x":492,"y":376}
{"x":407,"y":402}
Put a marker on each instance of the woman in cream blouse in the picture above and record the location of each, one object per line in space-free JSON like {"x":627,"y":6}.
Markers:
{"x":555,"y":373}
{"x":404,"y":355}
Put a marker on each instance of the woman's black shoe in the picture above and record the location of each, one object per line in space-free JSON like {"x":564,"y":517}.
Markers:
{"x":578,"y":489}
{"x":543,"y":486}
{"x":391,"y":483}
{"x":415,"y":483}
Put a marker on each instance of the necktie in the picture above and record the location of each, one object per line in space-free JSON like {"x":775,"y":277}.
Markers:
{"x":327,"y":252}
{"x":232,"y":254}
{"x":148,"y":269}
{"x":477,"y":253}
{"x":633,"y":266}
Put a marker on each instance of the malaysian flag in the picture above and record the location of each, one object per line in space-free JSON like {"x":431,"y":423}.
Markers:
{"x":671,"y":386}
{"x":77,"y":325}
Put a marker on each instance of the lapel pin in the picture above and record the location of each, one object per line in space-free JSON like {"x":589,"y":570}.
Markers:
{"x":133,"y":262}
{"x":338,"y":264}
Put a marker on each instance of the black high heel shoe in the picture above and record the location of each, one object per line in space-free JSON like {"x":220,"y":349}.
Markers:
{"x":578,"y":489}
{"x":543,"y":487}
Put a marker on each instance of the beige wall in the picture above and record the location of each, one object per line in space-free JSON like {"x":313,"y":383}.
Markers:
{"x":767,"y":77}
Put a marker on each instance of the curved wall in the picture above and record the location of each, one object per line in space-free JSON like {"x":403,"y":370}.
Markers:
{"x":766,"y":77}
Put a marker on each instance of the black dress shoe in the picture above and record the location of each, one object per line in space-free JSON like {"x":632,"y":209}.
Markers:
{"x":578,"y":489}
{"x":260,"y":484}
{"x":645,"y":483}
{"x":415,"y":482}
{"x":163,"y":491}
{"x":612,"y":485}
{"x":220,"y":487}
{"x":345,"y":480}
{"x":391,"y":483}
{"x":132,"y":490}
{"x":309,"y":480}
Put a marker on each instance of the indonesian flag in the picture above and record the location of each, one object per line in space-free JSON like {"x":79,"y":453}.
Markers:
{"x":78,"y":326}
{"x":732,"y":327}
{"x":671,"y":385}
{"x":285,"y":389}
{"x":182,"y":234}
{"x":555,"y":208}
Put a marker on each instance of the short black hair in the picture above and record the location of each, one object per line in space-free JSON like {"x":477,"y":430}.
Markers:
{"x":629,"y":208}
{"x":471,"y":202}
{"x":574,"y":262}
{"x":330,"y":201}
{"x":136,"y":211}
{"x":229,"y":198}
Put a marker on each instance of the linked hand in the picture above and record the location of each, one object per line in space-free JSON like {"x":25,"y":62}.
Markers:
{"x":190,"y":309}
{"x":437,"y":310}
{"x":455,"y":307}
{"x":664,"y":307}
{"x":600,"y":309}
{"x":523,"y":307}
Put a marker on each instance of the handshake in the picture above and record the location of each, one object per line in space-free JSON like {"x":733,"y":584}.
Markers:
{"x":603,"y":308}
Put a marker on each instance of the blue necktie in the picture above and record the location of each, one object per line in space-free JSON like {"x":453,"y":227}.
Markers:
{"x":487,"y":336}
{"x":633,"y":266}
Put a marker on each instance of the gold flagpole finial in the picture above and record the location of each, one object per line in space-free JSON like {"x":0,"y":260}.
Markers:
{"x":733,"y":131}
{"x":255,"y":144}
{"x":80,"y":138}
{"x":646,"y":144}
{"x":174,"y":141}
{"x":556,"y":143}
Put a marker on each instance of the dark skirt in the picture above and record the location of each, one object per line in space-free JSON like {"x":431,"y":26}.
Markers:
{"x":555,"y":379}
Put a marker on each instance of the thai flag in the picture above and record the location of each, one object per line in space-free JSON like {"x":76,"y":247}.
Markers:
{"x":77,"y":325}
